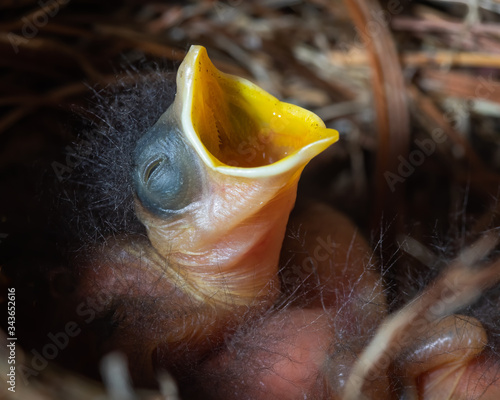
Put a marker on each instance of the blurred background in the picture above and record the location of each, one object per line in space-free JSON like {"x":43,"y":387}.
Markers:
{"x":413,"y":87}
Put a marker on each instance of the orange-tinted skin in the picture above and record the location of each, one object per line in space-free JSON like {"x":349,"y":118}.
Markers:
{"x":303,"y":346}
{"x":156,"y":321}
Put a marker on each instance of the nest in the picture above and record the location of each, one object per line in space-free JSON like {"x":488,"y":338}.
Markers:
{"x":412,"y":87}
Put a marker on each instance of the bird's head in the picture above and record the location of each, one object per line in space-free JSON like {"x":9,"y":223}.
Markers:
{"x":216,"y":178}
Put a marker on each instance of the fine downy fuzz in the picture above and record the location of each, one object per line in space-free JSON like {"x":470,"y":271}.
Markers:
{"x":219,"y":291}
{"x":216,"y":179}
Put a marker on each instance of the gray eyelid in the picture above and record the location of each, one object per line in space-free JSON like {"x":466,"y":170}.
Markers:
{"x":167,"y":175}
{"x":151,"y":167}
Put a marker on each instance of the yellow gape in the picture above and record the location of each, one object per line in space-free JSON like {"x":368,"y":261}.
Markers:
{"x":233,"y":123}
{"x":249,"y":149}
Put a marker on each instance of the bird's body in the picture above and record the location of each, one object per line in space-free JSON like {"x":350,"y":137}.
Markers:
{"x":213,"y":283}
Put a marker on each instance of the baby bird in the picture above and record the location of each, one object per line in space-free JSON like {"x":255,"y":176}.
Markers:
{"x":205,"y":276}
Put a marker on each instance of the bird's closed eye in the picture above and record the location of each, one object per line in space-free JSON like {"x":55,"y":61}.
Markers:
{"x":165,"y":172}
{"x":152,"y":168}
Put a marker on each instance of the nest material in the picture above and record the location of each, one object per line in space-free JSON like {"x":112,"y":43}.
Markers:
{"x":413,"y":88}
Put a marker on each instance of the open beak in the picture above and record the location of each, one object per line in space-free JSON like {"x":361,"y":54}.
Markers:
{"x":216,"y":201}
{"x":239,"y":129}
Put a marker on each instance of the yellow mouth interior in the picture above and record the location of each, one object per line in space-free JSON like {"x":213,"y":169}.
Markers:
{"x":242,"y":126}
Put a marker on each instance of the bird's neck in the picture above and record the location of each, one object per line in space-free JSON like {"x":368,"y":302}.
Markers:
{"x":240,"y":267}
{"x":227,"y":254}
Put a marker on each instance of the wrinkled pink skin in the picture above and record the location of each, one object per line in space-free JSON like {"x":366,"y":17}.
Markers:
{"x":302,"y":346}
